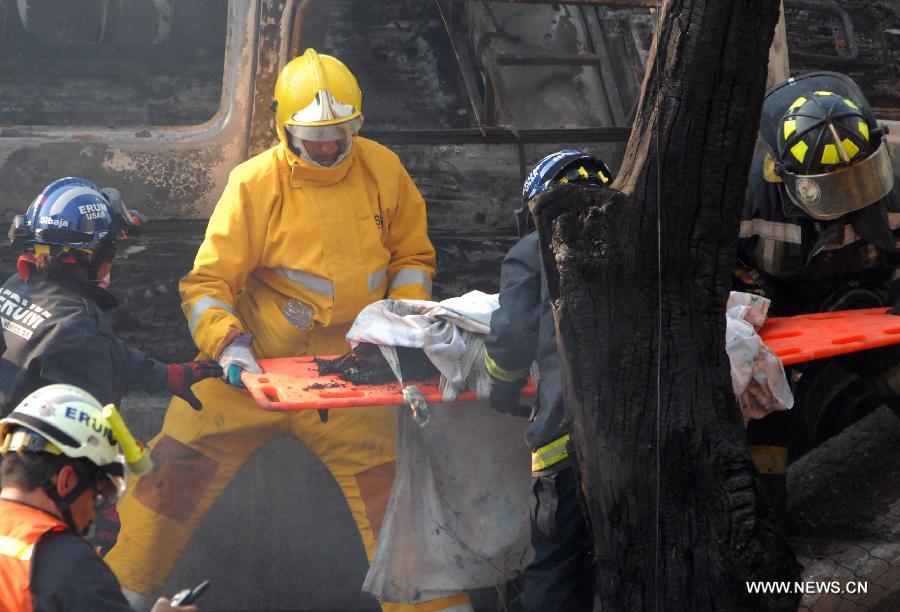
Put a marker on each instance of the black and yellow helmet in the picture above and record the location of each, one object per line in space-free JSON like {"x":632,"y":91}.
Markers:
{"x":824,"y":145}
{"x":822,"y":130}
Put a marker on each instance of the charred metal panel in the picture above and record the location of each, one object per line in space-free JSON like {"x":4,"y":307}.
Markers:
{"x":402,"y":60}
{"x":559,"y":65}
{"x":162,"y":183}
{"x":473,"y":188}
{"x":274,"y":17}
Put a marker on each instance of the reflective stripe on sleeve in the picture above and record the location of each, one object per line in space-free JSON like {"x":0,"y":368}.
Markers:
{"x":11,"y":547}
{"x":495,"y":371}
{"x":376,"y":279}
{"x":410,"y":276}
{"x":770,"y":459}
{"x":203,"y":304}
{"x":783,"y":232}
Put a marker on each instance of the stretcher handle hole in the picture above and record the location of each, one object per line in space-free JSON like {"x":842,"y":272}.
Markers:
{"x":791,"y":350}
{"x":849,"y":339}
{"x":822,"y":316}
{"x":271,"y":393}
{"x":782,"y":335}
{"x":892,"y":330}
{"x":262,"y":379}
{"x":302,"y":359}
{"x":344,"y":393}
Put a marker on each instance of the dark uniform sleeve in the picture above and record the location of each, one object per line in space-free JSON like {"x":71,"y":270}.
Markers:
{"x":102,"y":364}
{"x":512,"y":343}
{"x":67,"y":575}
{"x":893,"y":210}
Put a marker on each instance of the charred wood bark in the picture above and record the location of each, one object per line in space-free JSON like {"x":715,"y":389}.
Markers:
{"x":639,"y":275}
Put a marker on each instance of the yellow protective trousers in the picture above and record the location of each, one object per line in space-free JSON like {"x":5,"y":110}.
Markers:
{"x":198,"y":453}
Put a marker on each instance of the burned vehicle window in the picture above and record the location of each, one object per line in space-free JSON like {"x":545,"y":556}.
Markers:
{"x":453,"y":65}
{"x":111,"y":63}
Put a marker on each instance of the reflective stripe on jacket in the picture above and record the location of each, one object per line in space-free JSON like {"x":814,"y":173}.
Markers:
{"x":293,"y":252}
{"x":21,"y":528}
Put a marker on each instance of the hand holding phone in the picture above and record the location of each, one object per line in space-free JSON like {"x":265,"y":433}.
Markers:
{"x":189,"y":596}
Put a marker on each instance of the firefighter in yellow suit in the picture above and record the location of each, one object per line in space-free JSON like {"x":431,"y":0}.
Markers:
{"x":305,"y":235}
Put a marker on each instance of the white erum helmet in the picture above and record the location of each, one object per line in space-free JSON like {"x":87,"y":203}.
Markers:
{"x":64,"y":420}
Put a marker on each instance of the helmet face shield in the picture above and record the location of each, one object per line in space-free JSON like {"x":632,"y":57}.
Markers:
{"x":323,"y":145}
{"x":843,"y":190}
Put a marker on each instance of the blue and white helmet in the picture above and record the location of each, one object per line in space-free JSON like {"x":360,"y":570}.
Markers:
{"x":557,"y":167}
{"x":76,"y":213}
{"x":566,"y":166}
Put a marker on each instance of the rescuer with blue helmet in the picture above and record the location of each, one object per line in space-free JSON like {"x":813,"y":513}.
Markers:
{"x":561,"y":576}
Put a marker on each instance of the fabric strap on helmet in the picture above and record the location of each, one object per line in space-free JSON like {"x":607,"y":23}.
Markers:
{"x":23,"y":440}
{"x":44,"y":428}
{"x":64,"y":504}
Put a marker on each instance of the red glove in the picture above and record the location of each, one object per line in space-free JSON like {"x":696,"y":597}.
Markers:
{"x":182,"y":376}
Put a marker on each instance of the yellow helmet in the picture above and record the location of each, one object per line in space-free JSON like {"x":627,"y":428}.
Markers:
{"x":317,"y":98}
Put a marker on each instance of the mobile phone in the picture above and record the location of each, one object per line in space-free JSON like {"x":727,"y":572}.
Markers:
{"x":189,"y":596}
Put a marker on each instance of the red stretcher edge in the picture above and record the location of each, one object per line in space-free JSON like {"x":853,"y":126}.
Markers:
{"x":294,"y":383}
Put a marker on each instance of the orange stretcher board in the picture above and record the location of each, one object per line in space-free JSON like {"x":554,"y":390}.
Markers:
{"x":827,"y":334}
{"x":294,"y":383}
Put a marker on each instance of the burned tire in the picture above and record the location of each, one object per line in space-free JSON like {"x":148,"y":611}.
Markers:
{"x":827,"y":399}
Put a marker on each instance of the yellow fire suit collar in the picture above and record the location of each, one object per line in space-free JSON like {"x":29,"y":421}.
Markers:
{"x":303,"y":172}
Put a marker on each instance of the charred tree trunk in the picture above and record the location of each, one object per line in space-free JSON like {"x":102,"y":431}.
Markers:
{"x":678,"y":519}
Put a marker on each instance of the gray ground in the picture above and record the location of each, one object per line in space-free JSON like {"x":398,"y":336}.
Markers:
{"x":845,"y":507}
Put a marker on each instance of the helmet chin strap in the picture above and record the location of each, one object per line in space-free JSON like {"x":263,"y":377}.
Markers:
{"x":104,"y":253}
{"x":64,"y":504}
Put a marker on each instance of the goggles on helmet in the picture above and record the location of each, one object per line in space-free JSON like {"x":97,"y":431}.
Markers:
{"x":844,"y":189}
{"x":108,"y":488}
{"x":132,"y":219}
{"x":322,"y":133}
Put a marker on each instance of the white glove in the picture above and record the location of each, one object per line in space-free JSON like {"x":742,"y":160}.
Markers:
{"x":236,"y":357}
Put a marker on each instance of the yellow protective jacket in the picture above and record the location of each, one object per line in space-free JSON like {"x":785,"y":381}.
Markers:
{"x":286,"y":236}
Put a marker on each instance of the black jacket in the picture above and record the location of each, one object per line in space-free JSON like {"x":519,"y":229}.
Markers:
{"x":55,"y":331}
{"x":522,"y":332}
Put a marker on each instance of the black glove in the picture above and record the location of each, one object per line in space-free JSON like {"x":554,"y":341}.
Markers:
{"x":894,"y":297}
{"x":505,"y":397}
{"x":180,"y":377}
